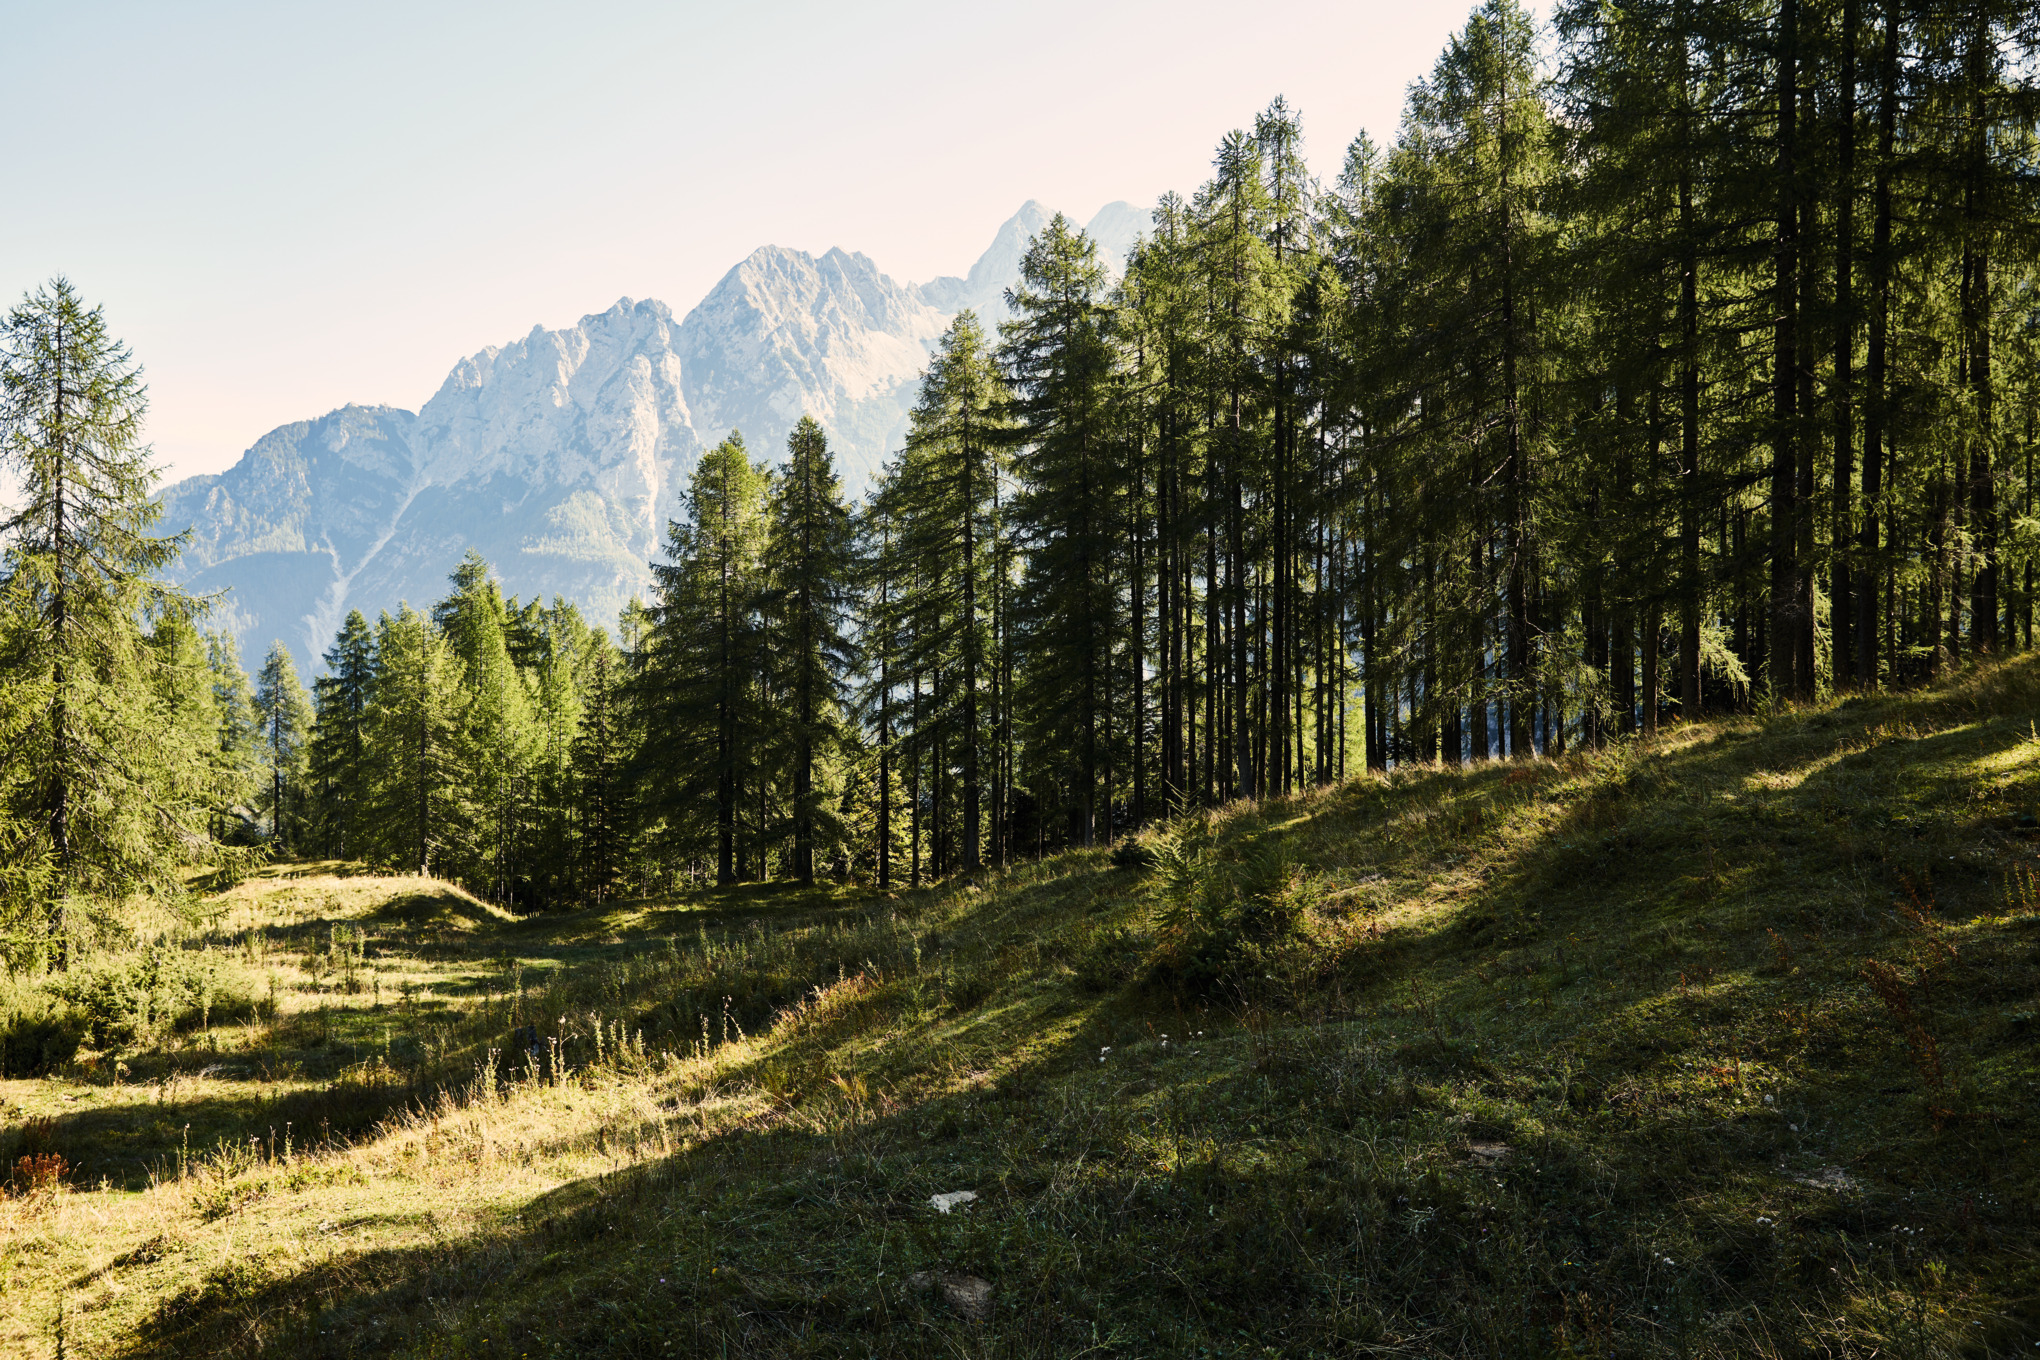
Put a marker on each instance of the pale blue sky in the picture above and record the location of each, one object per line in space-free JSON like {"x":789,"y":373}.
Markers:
{"x":285,"y":207}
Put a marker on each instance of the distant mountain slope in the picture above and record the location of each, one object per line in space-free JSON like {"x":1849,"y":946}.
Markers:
{"x":785,"y":333}
{"x":563,"y":455}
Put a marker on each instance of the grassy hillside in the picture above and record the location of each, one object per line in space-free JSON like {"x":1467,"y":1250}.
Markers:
{"x":1720,"y":1045}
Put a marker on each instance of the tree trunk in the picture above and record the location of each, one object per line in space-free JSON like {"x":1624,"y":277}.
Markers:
{"x":1780,"y":667}
{"x":1870,"y":553}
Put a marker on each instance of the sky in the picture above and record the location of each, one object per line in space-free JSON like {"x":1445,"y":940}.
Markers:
{"x":285,"y":207}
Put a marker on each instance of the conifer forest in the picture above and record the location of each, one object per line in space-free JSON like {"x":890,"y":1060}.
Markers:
{"x":1682,"y":365}
{"x":1435,"y":761}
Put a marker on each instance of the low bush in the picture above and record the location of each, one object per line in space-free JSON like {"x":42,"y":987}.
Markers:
{"x":38,"y":1038}
{"x":1226,"y":910}
{"x":136,"y":999}
{"x":1112,"y":959}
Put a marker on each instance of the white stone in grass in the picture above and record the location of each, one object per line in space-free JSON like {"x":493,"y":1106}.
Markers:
{"x":944,"y":1203}
{"x":1829,"y":1178}
{"x":968,"y":1295}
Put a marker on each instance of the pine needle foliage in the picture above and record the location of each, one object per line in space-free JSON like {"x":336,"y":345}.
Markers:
{"x":101,"y":793}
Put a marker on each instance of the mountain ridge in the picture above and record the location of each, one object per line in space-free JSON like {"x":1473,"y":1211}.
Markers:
{"x":561,"y":455}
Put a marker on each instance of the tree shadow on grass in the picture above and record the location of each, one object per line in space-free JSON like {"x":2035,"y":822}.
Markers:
{"x":127,"y":1145}
{"x":1306,"y":1189}
{"x":783,"y":1238}
{"x":1309,"y":1189}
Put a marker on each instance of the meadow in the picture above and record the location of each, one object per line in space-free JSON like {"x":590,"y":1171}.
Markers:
{"x":1718,"y":1044}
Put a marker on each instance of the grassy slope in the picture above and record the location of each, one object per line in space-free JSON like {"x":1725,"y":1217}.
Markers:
{"x":1581,"y":1057}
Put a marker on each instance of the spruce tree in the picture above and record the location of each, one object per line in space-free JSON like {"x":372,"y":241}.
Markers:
{"x":284,"y":723}
{"x":498,"y":736}
{"x":600,"y":758}
{"x":101,"y":795}
{"x":339,"y":752}
{"x":699,"y":696}
{"x":552,"y":649}
{"x":236,"y":751}
{"x":943,"y":499}
{"x":809,"y":567}
{"x":415,"y":804}
{"x":1059,"y":360}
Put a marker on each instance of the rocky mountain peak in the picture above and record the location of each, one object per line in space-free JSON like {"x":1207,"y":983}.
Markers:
{"x":561,"y":456}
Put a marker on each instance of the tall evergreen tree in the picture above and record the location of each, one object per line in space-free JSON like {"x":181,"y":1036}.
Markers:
{"x":700,"y":701}
{"x":600,"y":755}
{"x":942,"y":502}
{"x":339,"y":753}
{"x":553,"y":648}
{"x":808,"y":567}
{"x":498,"y":736}
{"x":236,"y":751}
{"x":102,"y":796}
{"x":416,"y":806}
{"x":1058,"y":358}
{"x":284,"y":721}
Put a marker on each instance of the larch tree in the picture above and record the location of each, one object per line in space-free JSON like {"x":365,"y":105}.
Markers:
{"x":101,"y":796}
{"x":809,"y":569}
{"x":1058,"y":358}
{"x":284,"y":720}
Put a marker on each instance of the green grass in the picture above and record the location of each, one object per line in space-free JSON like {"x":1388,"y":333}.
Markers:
{"x":1721,"y":1045}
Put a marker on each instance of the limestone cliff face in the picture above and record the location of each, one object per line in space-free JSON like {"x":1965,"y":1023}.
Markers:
{"x":562,"y":456}
{"x":786,"y":333}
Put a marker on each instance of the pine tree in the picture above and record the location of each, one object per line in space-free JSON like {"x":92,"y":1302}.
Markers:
{"x":808,"y":567}
{"x":284,"y":722}
{"x":699,"y":700}
{"x":100,"y":794}
{"x":339,"y":754}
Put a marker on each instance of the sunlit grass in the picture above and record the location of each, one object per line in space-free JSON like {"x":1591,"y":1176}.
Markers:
{"x":1566,"y":1057}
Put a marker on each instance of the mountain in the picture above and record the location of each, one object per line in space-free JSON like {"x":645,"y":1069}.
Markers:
{"x":983,"y":290}
{"x":785,"y":333}
{"x":562,"y":456}
{"x":1116,"y":227}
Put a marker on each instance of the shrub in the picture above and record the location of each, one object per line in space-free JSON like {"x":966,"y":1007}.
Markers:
{"x":1111,"y":961}
{"x":137,"y":998}
{"x":39,"y":1040}
{"x":1226,"y":914}
{"x":1131,"y":852}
